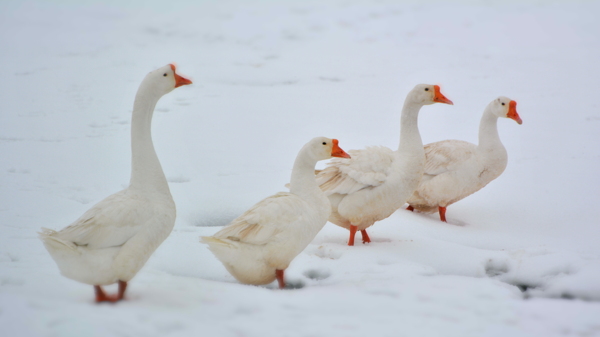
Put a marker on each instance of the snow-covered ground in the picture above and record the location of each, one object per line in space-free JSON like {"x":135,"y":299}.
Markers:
{"x":519,"y":258}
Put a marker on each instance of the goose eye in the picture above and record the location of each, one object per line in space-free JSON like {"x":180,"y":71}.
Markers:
{"x":503,"y":103}
{"x":324,"y":143}
{"x":165,"y":74}
{"x":426,"y":89}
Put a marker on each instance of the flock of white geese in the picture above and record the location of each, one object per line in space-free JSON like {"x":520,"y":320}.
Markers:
{"x":113,"y":240}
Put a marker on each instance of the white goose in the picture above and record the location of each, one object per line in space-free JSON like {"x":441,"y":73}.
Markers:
{"x":377,"y":181}
{"x":113,"y":240}
{"x":259,"y":245}
{"x":455,"y":169}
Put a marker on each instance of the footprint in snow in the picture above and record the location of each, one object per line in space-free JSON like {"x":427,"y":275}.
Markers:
{"x":494,"y":267}
{"x":317,"y":274}
{"x":289,"y":285}
{"x":325,"y":253}
{"x":294,"y":284}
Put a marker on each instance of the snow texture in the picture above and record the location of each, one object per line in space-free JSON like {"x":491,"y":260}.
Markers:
{"x":518,"y":258}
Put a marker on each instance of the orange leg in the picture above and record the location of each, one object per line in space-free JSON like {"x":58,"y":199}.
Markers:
{"x":353,"y":230}
{"x":122,"y":288}
{"x":102,"y":297}
{"x":410,"y":208}
{"x":365,"y":236}
{"x":279,"y":275}
{"x":442,"y":211}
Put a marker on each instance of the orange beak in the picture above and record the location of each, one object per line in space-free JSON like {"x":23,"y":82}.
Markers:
{"x":512,"y":112}
{"x":179,"y":81}
{"x":439,"y":97}
{"x":336,"y":151}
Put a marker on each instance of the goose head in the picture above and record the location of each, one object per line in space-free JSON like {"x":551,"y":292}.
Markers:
{"x":506,"y":108}
{"x":163,"y":80}
{"x":321,"y":148}
{"x":426,"y":94}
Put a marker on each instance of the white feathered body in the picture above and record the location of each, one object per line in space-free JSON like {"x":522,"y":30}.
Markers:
{"x":269,"y":236}
{"x":371,"y":185}
{"x":112,"y":240}
{"x":455,"y":169}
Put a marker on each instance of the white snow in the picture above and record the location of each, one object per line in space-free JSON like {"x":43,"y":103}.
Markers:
{"x":519,"y":258}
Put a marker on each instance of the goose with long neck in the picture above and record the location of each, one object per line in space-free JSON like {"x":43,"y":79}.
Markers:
{"x":258,"y":246}
{"x":377,"y":181}
{"x":113,"y":240}
{"x":455,"y":169}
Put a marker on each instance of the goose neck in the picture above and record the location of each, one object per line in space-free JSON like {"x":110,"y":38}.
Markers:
{"x":146,"y":171}
{"x":410,"y":137}
{"x":488,"y":131}
{"x":302,"y":181}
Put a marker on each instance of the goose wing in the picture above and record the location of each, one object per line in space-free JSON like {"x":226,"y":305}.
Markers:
{"x":367,"y":168}
{"x":446,"y":156}
{"x":265,"y":220}
{"x":109,"y":223}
